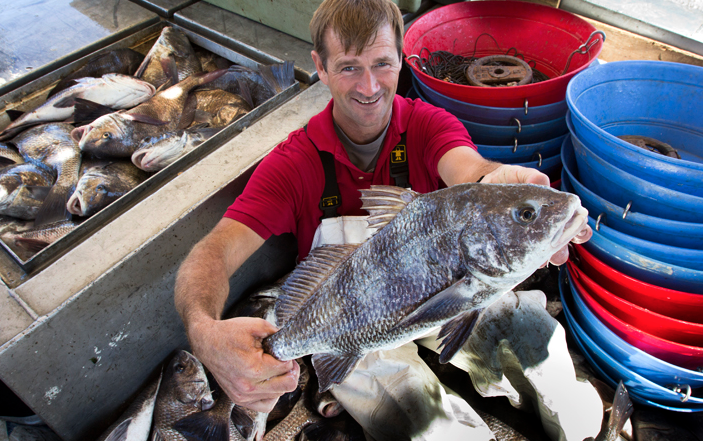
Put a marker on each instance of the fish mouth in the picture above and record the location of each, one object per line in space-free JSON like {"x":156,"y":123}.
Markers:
{"x":80,"y":132}
{"x":573,"y":226}
{"x":139,"y":159}
{"x":75,"y":205}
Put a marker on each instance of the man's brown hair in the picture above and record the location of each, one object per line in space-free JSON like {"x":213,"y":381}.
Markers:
{"x":356,"y":23}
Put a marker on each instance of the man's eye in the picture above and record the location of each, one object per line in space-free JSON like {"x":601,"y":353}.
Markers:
{"x":348,"y":69}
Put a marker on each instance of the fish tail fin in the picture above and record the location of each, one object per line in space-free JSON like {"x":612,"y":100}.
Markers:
{"x":86,"y":111}
{"x":333,"y":369}
{"x":455,"y":333}
{"x":31,"y":244}
{"x":278,"y":76}
{"x":54,"y":207}
{"x":619,"y":414}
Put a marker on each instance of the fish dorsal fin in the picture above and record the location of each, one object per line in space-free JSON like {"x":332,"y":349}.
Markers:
{"x":384,"y":202}
{"x":333,"y":369}
{"x":309,"y":275}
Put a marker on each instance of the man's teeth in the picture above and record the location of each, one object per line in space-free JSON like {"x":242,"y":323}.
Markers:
{"x":368,"y":102}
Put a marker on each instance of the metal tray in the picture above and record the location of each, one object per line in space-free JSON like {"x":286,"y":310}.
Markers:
{"x":32,"y":94}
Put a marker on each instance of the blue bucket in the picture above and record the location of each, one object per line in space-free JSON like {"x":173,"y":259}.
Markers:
{"x":644,"y":268}
{"x":650,"y":367}
{"x":655,"y":229}
{"x":641,"y":389}
{"x":523,"y":152}
{"x":657,"y":99}
{"x":499,"y":116}
{"x":685,"y":257}
{"x":622,"y":188}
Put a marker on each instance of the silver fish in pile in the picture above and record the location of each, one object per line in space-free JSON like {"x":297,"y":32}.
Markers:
{"x":184,"y":391}
{"x":112,"y":90}
{"x":101,"y":183}
{"x":119,"y":134}
{"x":135,"y":423}
{"x":121,"y":61}
{"x":36,"y":238}
{"x":158,"y":152}
{"x":23,"y":189}
{"x":437,"y":261}
{"x":171,"y":58}
{"x":52,"y":144}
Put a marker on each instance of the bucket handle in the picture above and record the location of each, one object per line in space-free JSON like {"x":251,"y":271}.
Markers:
{"x":683,"y":391}
{"x":415,"y":59}
{"x":515,"y":146}
{"x":600,"y":216}
{"x":584,"y":48}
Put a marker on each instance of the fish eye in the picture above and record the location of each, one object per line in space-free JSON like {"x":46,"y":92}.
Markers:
{"x":526,"y":215}
{"x":101,"y":187}
{"x":107,"y":135}
{"x":180,"y":368}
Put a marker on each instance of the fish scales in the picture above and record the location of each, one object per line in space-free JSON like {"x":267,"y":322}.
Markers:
{"x":442,"y":258}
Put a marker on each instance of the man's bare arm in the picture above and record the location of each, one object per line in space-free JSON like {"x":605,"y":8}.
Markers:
{"x":231,"y":349}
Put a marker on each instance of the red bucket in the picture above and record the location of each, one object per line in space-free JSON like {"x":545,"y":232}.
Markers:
{"x":543,"y":34}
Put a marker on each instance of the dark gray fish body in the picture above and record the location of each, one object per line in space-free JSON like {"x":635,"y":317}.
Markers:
{"x":112,"y":90}
{"x":224,"y":106}
{"x":260,"y":85}
{"x":119,"y":134}
{"x":121,"y":61}
{"x":158,"y":152}
{"x":174,"y":48}
{"x":23,"y":189}
{"x":9,"y":155}
{"x":101,"y":183}
{"x":210,"y":61}
{"x":184,"y":391}
{"x":52,"y":144}
{"x":135,"y":423}
{"x":36,"y":238}
{"x":442,"y":258}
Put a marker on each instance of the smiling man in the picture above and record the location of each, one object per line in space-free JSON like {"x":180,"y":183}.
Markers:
{"x":367,"y":135}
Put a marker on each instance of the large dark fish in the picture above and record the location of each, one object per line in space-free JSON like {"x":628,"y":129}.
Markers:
{"x":259,"y":85}
{"x":23,"y":189}
{"x":119,"y":134}
{"x":36,"y":238}
{"x":112,"y":90}
{"x":184,"y":390}
{"x":171,"y":58}
{"x":158,"y":152}
{"x":135,"y":423}
{"x":101,"y":183}
{"x":52,"y":144}
{"x":440,"y":259}
{"x":121,"y":61}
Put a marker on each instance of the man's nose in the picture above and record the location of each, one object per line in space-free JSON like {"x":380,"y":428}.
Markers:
{"x":369,"y":84}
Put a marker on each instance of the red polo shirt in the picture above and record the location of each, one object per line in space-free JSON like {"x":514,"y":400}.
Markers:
{"x":283,"y":194}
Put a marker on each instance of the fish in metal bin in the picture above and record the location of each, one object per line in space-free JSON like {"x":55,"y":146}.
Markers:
{"x":158,"y":152}
{"x":52,"y":144}
{"x":101,"y":182}
{"x":184,"y":391}
{"x":116,"y":91}
{"x":121,"y":61}
{"x":223,"y":107}
{"x":118,"y":135}
{"x":260,"y":85}
{"x":171,"y":58}
{"x":37,"y":238}
{"x":23,"y":188}
{"x":437,"y":261}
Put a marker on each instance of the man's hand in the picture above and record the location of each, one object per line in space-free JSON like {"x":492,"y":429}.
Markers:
{"x":515,"y":174}
{"x":231,"y":350}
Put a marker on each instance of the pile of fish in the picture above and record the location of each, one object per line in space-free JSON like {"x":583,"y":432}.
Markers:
{"x":108,"y":126}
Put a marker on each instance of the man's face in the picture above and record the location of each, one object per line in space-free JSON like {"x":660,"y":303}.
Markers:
{"x":363,"y":86}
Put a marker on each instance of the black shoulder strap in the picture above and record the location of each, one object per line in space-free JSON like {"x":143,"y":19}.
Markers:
{"x":399,"y":169}
{"x":331,"y":197}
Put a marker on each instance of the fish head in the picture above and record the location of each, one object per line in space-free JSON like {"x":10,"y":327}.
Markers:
{"x":516,"y":228}
{"x":156,"y":153}
{"x":95,"y":191}
{"x":187,"y":382}
{"x":133,"y":91}
{"x":108,"y":136}
{"x":175,"y":42}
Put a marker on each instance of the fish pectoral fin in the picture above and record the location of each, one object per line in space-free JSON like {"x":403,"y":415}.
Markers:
{"x":455,"y":333}
{"x":53,"y":209}
{"x":119,"y":433}
{"x":203,"y":426}
{"x":145,"y":119}
{"x":384,"y":202}
{"x":309,"y":275}
{"x":242,"y":421}
{"x":333,"y":369}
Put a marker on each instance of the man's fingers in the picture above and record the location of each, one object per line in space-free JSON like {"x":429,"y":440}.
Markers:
{"x":282,"y":378}
{"x":514,"y":174}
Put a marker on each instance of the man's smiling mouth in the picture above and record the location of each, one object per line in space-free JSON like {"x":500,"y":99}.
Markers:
{"x":367,"y":102}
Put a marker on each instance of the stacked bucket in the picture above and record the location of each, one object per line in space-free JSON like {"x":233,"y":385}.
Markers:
{"x":633,"y":294}
{"x":523,"y":124}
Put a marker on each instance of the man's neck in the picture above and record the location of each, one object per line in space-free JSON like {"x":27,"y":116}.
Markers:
{"x":362,"y":135}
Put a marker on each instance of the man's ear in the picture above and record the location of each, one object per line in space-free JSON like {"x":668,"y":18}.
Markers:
{"x":319,"y":65}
